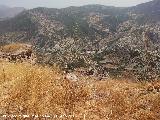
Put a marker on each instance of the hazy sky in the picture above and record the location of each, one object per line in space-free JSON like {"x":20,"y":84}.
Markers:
{"x":66,"y":3}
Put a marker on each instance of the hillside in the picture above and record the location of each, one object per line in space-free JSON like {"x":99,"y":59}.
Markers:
{"x":91,"y":36}
{"x":45,"y":91}
{"x":91,"y":62}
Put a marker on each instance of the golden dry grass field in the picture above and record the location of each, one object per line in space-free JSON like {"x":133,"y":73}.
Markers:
{"x":35,"y":90}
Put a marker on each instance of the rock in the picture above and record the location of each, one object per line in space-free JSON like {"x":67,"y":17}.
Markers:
{"x":71,"y":76}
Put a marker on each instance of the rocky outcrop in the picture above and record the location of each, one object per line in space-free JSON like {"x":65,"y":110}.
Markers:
{"x":19,"y":55}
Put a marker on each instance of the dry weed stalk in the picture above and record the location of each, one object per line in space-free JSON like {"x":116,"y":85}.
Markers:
{"x":4,"y":75}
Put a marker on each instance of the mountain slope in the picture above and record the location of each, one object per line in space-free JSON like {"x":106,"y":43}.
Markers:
{"x":90,"y":36}
{"x":151,"y":10}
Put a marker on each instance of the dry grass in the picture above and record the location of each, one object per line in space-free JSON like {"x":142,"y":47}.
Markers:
{"x":26,"y":89}
{"x":13,"y":47}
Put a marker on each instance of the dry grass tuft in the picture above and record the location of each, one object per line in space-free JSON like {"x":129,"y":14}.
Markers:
{"x":37,"y":90}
